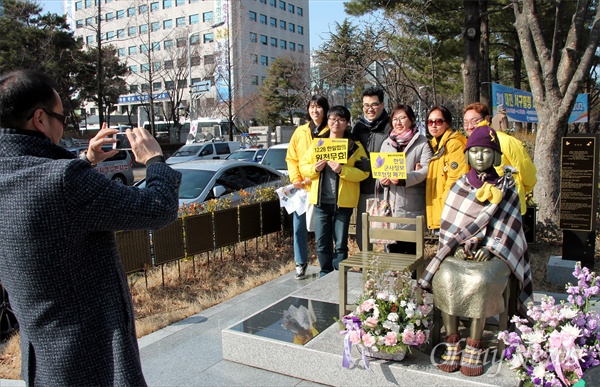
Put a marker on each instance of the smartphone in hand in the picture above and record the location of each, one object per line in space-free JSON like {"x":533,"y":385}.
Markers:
{"x":122,"y":142}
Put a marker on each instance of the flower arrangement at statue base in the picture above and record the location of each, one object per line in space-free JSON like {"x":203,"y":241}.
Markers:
{"x":562,"y":342}
{"x":391,"y":316}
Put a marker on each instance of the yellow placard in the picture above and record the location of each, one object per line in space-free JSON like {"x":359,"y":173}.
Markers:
{"x":390,"y":165}
{"x":331,"y":149}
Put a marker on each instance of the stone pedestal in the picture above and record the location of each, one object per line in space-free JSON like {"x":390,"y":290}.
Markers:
{"x":560,"y":271}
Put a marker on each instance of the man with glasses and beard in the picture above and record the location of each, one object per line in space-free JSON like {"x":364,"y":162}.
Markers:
{"x":372,"y":129}
{"x":58,"y":254}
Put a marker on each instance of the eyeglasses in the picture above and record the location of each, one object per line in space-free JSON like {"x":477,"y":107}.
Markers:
{"x":438,"y":122}
{"x":337,"y":120}
{"x":373,"y":105}
{"x":474,"y":121}
{"x":399,"y":119}
{"x":58,"y":116}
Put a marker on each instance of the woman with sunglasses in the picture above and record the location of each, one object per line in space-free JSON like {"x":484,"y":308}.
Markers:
{"x":446,"y":166}
{"x":408,"y":195}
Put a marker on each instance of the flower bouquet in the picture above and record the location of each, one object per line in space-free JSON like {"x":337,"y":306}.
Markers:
{"x":390,"y":317}
{"x":563,"y":340}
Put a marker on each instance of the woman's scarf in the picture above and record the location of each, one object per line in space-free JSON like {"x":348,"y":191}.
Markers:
{"x":400,"y":141}
{"x":314,"y":129}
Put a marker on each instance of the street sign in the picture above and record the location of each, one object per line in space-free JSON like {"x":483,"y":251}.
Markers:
{"x":201,"y":87}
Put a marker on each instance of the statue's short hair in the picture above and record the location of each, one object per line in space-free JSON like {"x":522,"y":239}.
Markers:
{"x":21,"y":93}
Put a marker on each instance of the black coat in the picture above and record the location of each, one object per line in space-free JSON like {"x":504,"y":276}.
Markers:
{"x":59,"y":260}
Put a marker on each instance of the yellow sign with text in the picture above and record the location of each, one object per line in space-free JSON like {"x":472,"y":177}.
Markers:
{"x":390,"y":165}
{"x":331,"y":149}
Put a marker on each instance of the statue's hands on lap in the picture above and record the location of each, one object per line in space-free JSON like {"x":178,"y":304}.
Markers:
{"x":460,"y":253}
{"x":482,"y":255}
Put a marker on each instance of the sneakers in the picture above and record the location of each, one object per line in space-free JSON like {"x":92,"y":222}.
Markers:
{"x":301,"y":271}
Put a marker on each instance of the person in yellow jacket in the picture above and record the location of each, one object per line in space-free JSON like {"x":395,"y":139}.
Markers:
{"x":301,"y":140}
{"x":446,"y":166}
{"x":513,"y":152}
{"x":335,"y":191}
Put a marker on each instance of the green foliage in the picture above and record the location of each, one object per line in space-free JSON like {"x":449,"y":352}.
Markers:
{"x":259,"y":195}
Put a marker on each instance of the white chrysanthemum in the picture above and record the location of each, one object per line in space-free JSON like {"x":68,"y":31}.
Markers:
{"x":403,"y":303}
{"x":393,"y":316}
{"x":393,"y":298}
{"x":568,"y":313}
{"x":535,"y":337}
{"x":516,"y":361}
{"x":539,"y":371}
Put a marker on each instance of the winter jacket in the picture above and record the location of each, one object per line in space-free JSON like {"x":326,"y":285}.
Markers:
{"x":299,"y":143}
{"x":372,"y":135}
{"x":349,"y":178}
{"x":445,"y":167}
{"x":515,"y":155}
{"x":59,"y":260}
{"x":409,"y":199}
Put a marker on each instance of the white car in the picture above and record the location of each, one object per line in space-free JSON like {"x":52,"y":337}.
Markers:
{"x":203,"y":151}
{"x":275,"y":157}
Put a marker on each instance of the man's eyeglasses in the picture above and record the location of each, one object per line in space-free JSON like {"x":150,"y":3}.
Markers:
{"x":337,"y":120}
{"x":373,"y":105}
{"x":438,"y":122}
{"x":58,"y":116}
{"x":474,"y":121}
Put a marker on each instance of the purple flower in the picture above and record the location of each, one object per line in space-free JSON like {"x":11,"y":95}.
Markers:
{"x":537,"y":381}
{"x":550,"y":367}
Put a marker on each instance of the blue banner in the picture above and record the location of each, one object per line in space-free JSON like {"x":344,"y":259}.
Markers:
{"x":520,"y":107}
{"x":142,"y":98}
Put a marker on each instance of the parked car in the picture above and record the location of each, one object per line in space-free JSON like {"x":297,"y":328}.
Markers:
{"x":250,"y":154}
{"x":118,"y":168}
{"x":203,"y":151}
{"x":203,"y":180}
{"x":275,"y":158}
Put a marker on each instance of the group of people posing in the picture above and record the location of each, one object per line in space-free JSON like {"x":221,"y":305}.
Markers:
{"x":456,"y":181}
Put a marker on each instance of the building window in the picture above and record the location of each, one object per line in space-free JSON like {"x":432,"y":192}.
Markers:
{"x":252,"y":16}
{"x":264,"y":60}
{"x":143,"y":8}
{"x":194,"y":19}
{"x":156,"y":46}
{"x":300,"y":11}
{"x":120,"y":14}
{"x":292,"y":46}
{"x":169,"y":85}
{"x":195,"y":39}
{"x":209,"y":38}
{"x":253,"y":38}
{"x":121,"y":51}
{"x":300,"y":47}
{"x":145,"y":68}
{"x":156,"y":86}
{"x":155,"y":26}
{"x":207,"y":17}
{"x":132,"y":50}
{"x":181,"y":83}
{"x":167,"y":4}
{"x":263,"y":39}
{"x":168,"y":44}
{"x":89,"y":39}
{"x":154,"y":6}
{"x":168,"y":66}
{"x":253,"y":58}
{"x":273,"y":42}
{"x":273,"y":3}
{"x":179,"y":3}
{"x":181,"y":42}
{"x":143,"y":47}
{"x":291,"y":8}
{"x":292,"y":27}
{"x":273,"y":22}
{"x":180,"y":21}
{"x":121,"y":33}
{"x":196,"y":80}
{"x":254,"y":80}
{"x":131,"y":31}
{"x":145,"y":87}
{"x":263,"y":1}
{"x":209,"y":59}
{"x":263,"y":19}
{"x":79,"y":23}
{"x":88,"y":3}
{"x":89,"y":21}
{"x":195,"y":60}
{"x":133,"y":88}
{"x":133,"y":69}
{"x":262,"y":80}
{"x":78,"y":5}
{"x":282,"y":44}
{"x":301,"y":30}
{"x":168,"y":24}
{"x":282,"y":5}
{"x":143,"y":28}
{"x":131,"y":11}
{"x":282,"y":25}
{"x":109,"y":16}
{"x":110,"y":35}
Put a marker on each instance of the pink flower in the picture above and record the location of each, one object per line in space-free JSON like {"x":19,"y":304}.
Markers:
{"x":370,"y":322}
{"x":354,"y":337}
{"x":368,"y":340}
{"x":555,"y":339}
{"x":390,"y":339}
{"x":367,"y":305}
{"x":408,"y":337}
{"x":420,"y":338}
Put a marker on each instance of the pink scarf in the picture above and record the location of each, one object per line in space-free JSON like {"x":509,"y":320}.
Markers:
{"x":400,"y":141}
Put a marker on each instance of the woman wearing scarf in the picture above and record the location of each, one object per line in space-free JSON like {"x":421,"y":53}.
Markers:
{"x":407,"y":195}
{"x":481,"y":245}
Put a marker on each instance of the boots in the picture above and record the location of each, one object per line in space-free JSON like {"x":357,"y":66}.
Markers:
{"x":451,"y":358}
{"x":471,"y":364}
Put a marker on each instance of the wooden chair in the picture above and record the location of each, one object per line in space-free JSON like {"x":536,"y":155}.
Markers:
{"x":394,"y":261}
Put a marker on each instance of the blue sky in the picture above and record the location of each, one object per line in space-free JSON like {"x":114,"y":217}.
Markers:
{"x":323,"y":15}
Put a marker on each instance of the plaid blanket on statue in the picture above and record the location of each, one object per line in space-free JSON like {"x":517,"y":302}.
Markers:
{"x":469,"y":222}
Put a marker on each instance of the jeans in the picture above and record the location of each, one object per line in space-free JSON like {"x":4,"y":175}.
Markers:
{"x":331,"y":227}
{"x":300,"y":239}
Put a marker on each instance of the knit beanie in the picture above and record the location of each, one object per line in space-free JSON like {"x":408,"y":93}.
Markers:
{"x":484,"y":136}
